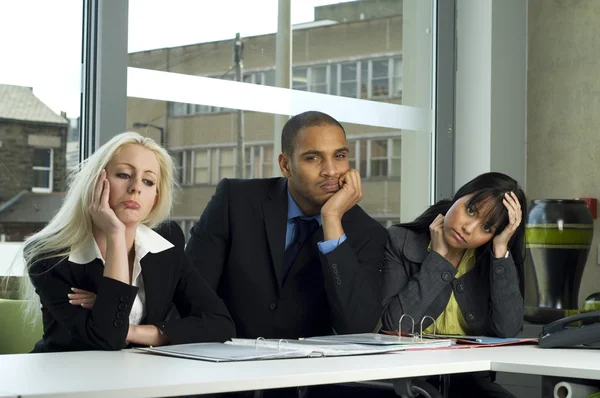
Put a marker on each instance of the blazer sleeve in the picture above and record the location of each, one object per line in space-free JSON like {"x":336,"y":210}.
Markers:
{"x":204,"y":316}
{"x":105,"y":326}
{"x":353,"y":282}
{"x":208,"y":246}
{"x":506,"y":302}
{"x":406,"y":291}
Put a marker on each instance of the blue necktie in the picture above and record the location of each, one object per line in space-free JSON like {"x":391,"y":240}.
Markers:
{"x":305,"y":227}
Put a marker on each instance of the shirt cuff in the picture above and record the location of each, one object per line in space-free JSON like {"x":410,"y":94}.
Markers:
{"x":330,"y":245}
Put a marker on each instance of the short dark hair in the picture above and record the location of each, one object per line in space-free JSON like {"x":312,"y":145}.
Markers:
{"x":301,"y":121}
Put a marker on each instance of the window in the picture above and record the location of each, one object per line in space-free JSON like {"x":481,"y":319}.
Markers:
{"x":226,"y":164}
{"x":379,"y":158}
{"x":201,"y":166}
{"x":380,"y":78}
{"x":397,"y":77}
{"x":318,"y":79}
{"x":300,"y":79}
{"x":364,"y":79}
{"x":267,"y":161}
{"x":42,"y":170}
{"x":348,"y":80}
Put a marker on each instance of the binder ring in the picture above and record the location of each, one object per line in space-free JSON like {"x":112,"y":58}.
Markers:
{"x":258,"y":340}
{"x":412,"y":330}
{"x":422,"y":319}
{"x":279,"y":343}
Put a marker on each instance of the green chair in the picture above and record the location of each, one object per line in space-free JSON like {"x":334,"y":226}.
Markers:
{"x":17,"y":335}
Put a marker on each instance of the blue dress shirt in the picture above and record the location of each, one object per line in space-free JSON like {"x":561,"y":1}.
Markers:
{"x":294,"y":211}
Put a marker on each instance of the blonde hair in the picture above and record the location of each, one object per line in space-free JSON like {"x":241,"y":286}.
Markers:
{"x":71,"y":227}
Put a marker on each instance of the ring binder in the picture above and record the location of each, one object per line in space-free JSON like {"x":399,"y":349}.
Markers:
{"x":412,"y":330}
{"x":279,"y":343}
{"x":422,"y":319}
{"x":259,"y":339}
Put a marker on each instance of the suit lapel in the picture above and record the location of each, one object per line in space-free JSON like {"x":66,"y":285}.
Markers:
{"x":157,"y":273}
{"x":275,"y":216}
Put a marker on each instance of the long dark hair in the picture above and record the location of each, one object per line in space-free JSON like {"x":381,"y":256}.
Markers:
{"x":488,"y":191}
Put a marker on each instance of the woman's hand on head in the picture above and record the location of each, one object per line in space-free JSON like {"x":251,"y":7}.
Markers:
{"x":102,"y":215}
{"x":515,"y":217}
{"x":436,"y":231}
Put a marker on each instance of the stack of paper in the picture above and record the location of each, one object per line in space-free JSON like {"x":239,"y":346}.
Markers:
{"x":325,"y":346}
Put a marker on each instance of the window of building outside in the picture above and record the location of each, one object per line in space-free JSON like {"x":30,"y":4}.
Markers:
{"x":40,"y":91}
{"x":335,"y":51}
{"x":42,"y":170}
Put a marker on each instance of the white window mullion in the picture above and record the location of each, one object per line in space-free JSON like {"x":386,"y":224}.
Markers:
{"x":328,"y":79}
{"x":357,"y":155}
{"x":261,"y":162}
{"x":390,"y":154}
{"x":218,"y":163}
{"x":370,"y":79}
{"x":368,"y":159}
{"x":252,"y":148}
{"x":51,"y":176}
{"x":184,"y":168}
{"x":192,"y":173}
{"x":358,"y":78}
{"x":390,"y":77}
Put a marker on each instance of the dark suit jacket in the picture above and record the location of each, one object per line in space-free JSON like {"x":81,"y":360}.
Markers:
{"x":168,"y":278}
{"x":238,"y":246}
{"x":418,"y":283}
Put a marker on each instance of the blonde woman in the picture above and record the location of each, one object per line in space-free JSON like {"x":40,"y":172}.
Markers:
{"x":104,"y":277}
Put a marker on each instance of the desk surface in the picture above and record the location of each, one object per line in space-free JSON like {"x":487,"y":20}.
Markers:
{"x":134,"y":374}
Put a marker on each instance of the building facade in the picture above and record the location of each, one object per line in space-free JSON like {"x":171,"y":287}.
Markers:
{"x":33,"y":162}
{"x":347,"y":51}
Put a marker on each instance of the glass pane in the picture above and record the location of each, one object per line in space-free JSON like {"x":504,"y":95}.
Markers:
{"x":201,"y":158}
{"x":227,"y":157}
{"x":41,"y":179}
{"x":380,"y":68}
{"x":349,"y":72}
{"x":318,"y":74}
{"x":330,"y":36}
{"x":299,"y":79}
{"x":201,"y":175}
{"x":40,"y":92}
{"x":41,"y":157}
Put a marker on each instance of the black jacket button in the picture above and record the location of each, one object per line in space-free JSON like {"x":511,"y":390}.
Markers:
{"x":118,"y":323}
{"x":499,"y":270}
{"x":272,"y":306}
{"x":446,"y":276}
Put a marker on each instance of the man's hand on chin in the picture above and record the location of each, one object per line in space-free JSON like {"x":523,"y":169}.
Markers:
{"x":349,"y":194}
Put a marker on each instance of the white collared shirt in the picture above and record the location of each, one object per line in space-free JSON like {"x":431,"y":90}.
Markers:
{"x":146,"y":241}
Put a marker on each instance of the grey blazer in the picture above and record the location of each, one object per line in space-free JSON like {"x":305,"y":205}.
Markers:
{"x":418,"y":283}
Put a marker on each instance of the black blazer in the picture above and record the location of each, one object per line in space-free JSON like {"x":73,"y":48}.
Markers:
{"x":238,"y":246}
{"x":168,"y":279}
{"x":418,"y":283}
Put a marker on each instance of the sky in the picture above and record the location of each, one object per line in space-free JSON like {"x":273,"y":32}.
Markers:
{"x":40,"y":40}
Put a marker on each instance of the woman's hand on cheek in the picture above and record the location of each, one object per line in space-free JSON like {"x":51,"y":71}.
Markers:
{"x":436,"y":231}
{"x":102,"y":215}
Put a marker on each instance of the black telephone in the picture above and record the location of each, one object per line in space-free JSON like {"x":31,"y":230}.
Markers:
{"x":559,"y":334}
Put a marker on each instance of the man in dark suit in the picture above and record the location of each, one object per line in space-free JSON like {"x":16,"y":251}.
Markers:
{"x":294,"y":256}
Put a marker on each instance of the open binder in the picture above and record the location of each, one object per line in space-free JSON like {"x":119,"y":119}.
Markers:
{"x":325,"y":346}
{"x":460,"y":341}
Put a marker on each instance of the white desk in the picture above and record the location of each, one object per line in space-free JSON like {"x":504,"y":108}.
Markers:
{"x":132,"y":374}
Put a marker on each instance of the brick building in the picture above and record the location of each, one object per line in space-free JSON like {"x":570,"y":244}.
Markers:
{"x":32,"y":162}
